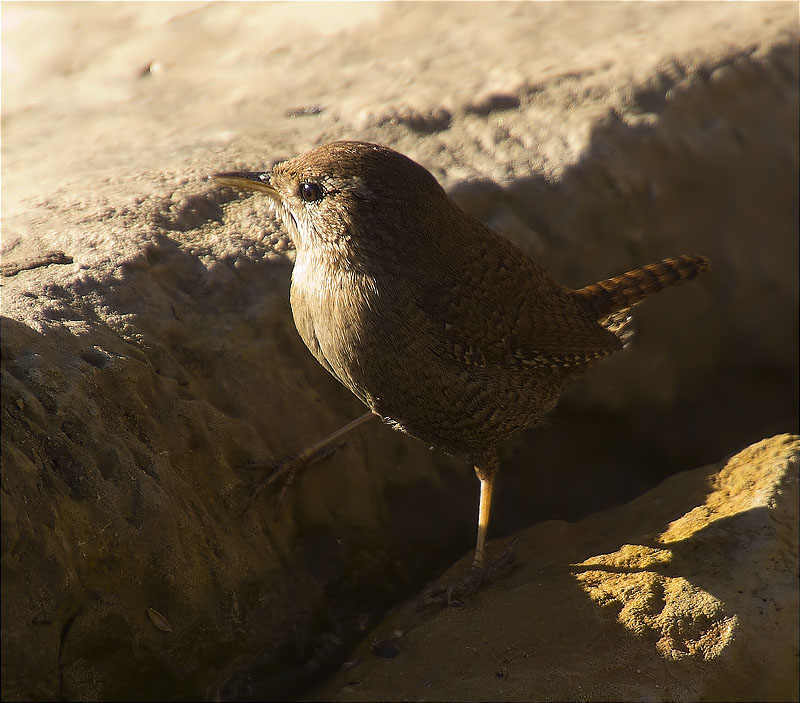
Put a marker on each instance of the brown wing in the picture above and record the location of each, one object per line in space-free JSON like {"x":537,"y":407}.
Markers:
{"x":499,"y":307}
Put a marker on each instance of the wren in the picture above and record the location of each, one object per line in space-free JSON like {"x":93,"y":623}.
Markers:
{"x":439,"y":325}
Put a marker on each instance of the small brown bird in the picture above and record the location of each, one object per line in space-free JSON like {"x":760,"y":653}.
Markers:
{"x":437,"y":323}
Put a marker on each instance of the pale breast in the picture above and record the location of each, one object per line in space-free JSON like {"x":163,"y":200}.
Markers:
{"x":329,"y":313}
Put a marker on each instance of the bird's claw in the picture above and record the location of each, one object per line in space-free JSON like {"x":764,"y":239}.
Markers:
{"x":477,"y":577}
{"x":285,"y":470}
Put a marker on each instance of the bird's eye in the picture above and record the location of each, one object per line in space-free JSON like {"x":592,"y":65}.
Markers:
{"x":310,"y":191}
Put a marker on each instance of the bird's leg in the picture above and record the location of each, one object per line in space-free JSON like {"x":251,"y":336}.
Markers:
{"x":480,"y":573}
{"x":287,"y":468}
{"x":487,"y":483}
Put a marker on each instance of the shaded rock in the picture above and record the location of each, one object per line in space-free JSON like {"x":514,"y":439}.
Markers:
{"x":687,"y":593}
{"x":125,"y":435}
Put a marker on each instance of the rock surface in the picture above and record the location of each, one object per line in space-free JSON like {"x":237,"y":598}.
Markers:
{"x":148,"y":351}
{"x":687,"y":593}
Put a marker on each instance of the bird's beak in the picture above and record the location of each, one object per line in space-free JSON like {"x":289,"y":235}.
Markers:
{"x":247,"y":181}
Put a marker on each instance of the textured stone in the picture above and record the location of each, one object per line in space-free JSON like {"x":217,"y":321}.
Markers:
{"x":687,"y":593}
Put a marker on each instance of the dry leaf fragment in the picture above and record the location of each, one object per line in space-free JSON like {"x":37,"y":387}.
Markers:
{"x":159,"y":620}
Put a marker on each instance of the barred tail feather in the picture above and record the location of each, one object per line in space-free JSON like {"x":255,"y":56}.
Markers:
{"x":605,"y":298}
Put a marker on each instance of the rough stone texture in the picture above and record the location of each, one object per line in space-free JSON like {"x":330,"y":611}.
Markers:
{"x":687,"y":593}
{"x":148,"y":351}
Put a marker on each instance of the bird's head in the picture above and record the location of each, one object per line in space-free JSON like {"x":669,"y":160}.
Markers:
{"x":353,"y":201}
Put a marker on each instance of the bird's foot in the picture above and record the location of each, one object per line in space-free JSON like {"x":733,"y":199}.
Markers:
{"x":285,"y":470}
{"x":477,"y":577}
